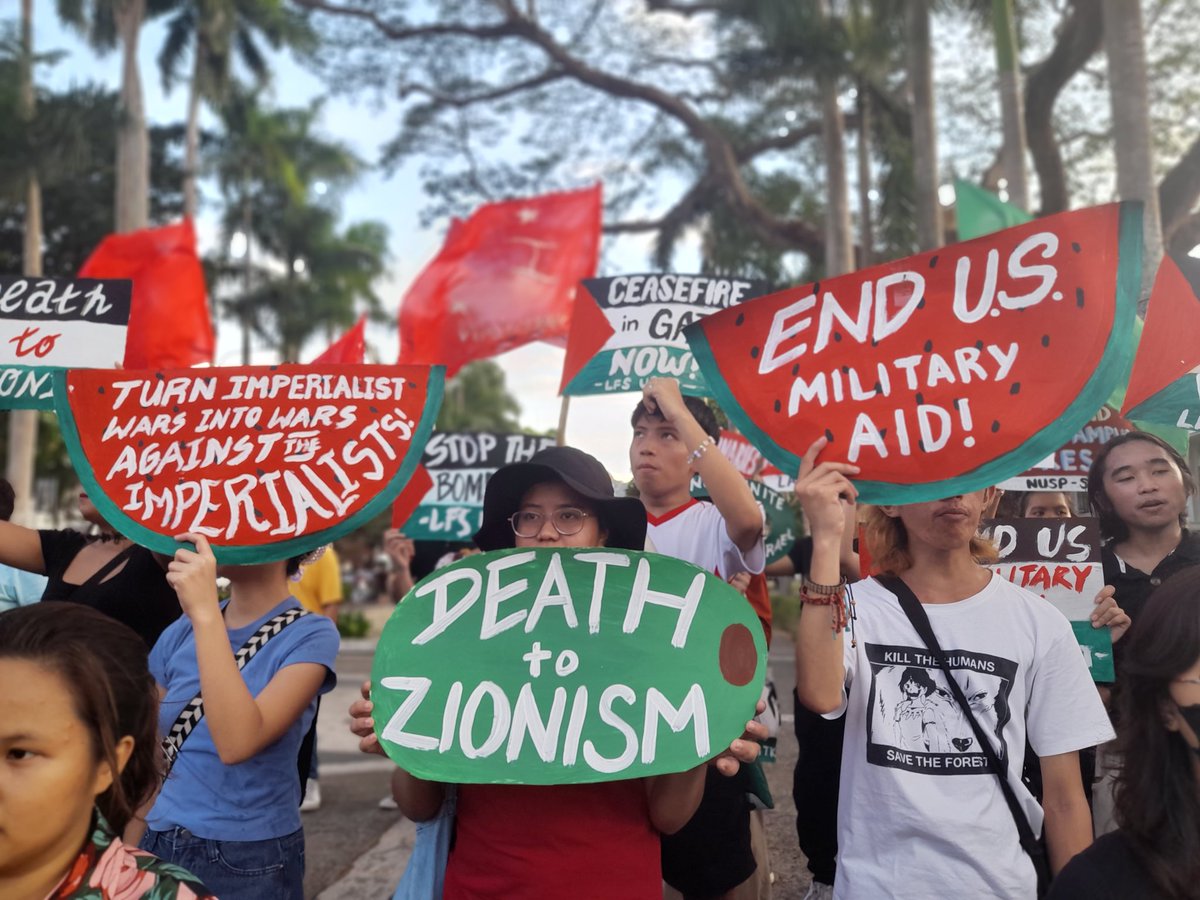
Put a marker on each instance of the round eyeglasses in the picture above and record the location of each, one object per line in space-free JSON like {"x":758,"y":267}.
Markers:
{"x":566,"y":521}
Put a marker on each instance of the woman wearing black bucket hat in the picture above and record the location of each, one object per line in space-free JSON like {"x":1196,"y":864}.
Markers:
{"x":578,"y":840}
{"x":621,"y":520}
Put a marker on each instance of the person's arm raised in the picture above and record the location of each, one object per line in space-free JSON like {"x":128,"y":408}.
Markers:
{"x":726,"y":486}
{"x":823,"y":491}
{"x":241,"y":724}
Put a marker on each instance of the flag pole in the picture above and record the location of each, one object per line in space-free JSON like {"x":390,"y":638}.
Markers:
{"x":561,"y":437}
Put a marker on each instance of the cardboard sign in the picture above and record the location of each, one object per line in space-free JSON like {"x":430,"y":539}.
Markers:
{"x":941,"y":373}
{"x":459,"y":466}
{"x":1067,"y":468}
{"x":1059,"y":559}
{"x":565,"y":666}
{"x":266,"y":461}
{"x":629,"y":329}
{"x":52,"y":323}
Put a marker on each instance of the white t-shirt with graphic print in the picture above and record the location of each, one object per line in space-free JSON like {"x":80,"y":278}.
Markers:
{"x":921,"y":816}
{"x":696,"y":533}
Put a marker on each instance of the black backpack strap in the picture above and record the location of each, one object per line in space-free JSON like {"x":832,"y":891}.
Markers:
{"x":920,"y":621}
{"x":190,"y":716}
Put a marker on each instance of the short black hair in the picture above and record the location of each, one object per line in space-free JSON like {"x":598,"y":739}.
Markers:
{"x":700,"y":411}
{"x":8,"y":499}
{"x":920,"y":677}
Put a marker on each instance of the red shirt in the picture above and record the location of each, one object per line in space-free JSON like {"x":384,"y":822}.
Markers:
{"x":539,"y":842}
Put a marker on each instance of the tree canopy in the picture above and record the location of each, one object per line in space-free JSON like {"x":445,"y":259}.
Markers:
{"x":704,"y":113}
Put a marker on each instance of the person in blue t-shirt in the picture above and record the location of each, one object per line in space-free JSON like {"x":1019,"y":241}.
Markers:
{"x":229,"y":809}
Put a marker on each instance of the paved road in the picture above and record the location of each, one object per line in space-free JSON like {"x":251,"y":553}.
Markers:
{"x":356,"y":850}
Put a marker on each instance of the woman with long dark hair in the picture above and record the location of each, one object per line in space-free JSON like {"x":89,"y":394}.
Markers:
{"x":1156,"y":851}
{"x":78,"y":723}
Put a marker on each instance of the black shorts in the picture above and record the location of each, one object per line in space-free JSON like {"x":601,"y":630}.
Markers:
{"x":711,"y":853}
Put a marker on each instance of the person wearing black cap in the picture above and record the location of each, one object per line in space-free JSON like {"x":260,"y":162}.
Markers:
{"x":577,"y":840}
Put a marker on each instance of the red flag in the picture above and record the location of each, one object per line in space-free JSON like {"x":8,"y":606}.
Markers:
{"x":350,"y":348}
{"x":504,"y":277}
{"x":169,"y":323}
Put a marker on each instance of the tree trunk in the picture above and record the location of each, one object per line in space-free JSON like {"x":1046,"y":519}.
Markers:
{"x":839,"y":249}
{"x":866,"y":223}
{"x":924,"y":125}
{"x":1125,"y":45}
{"x":246,"y":276}
{"x":191,"y":153}
{"x":23,"y":423}
{"x":133,"y":141}
{"x":1012,"y":154}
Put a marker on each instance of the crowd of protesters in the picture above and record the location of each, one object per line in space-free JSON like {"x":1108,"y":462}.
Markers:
{"x":952,"y":742}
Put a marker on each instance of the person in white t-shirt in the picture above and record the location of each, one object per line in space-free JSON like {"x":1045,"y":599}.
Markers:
{"x":921,"y":813}
{"x":675,"y":437}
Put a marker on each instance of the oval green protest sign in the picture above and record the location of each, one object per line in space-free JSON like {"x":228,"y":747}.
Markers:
{"x":565,"y":666}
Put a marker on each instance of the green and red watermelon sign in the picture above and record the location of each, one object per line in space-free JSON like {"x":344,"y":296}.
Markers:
{"x":1164,"y":388}
{"x":564,"y":666}
{"x":628,"y":329}
{"x":943,"y":372}
{"x":267,"y":462}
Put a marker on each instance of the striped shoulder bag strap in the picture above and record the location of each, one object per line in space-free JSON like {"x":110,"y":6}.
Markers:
{"x":193,"y":712}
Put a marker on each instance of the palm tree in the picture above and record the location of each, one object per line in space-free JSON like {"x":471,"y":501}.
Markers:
{"x":839,"y":244}
{"x":1012,"y":109}
{"x":924,"y":124}
{"x":105,"y":24}
{"x":1125,"y":44}
{"x":280,"y":179}
{"x":216,"y":31}
{"x":23,"y":424}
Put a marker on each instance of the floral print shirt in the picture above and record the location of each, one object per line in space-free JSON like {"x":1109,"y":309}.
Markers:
{"x":109,"y":869}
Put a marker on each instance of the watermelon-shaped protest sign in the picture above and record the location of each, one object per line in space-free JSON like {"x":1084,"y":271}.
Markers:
{"x":1164,"y":387}
{"x":944,"y":372}
{"x":51,"y":323}
{"x":565,"y":666}
{"x":266,"y":461}
{"x":459,"y":464}
{"x":628,"y":329}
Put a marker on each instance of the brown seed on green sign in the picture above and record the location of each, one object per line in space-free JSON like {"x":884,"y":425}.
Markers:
{"x":737,"y":656}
